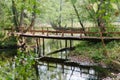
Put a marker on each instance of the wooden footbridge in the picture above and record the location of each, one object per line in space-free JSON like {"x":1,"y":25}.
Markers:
{"x":50,"y":33}
{"x":70,"y":35}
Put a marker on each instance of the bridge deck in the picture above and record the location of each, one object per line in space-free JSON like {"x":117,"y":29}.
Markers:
{"x":71,"y":35}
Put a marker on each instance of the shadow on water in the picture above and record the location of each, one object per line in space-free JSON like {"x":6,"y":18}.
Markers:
{"x":58,"y":72}
{"x":56,"y":66}
{"x":62,"y":69}
{"x":52,"y":71}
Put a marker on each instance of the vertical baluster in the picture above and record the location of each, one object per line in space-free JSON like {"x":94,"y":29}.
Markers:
{"x":71,"y":33}
{"x":47,"y":31}
{"x":42,"y":30}
{"x":43,"y":47}
{"x":62,"y":33}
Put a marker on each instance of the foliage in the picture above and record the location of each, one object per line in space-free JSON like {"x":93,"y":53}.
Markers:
{"x":108,"y":33}
{"x":9,"y":42}
{"x":25,"y":66}
{"x":56,"y":10}
{"x":19,"y":68}
{"x":60,"y":11}
{"x":2,"y":35}
{"x":114,"y":50}
{"x":5,"y":14}
{"x":22,"y":8}
{"x":95,"y":51}
{"x":6,"y":72}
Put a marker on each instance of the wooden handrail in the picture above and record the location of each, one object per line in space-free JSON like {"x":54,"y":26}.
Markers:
{"x":70,"y":32}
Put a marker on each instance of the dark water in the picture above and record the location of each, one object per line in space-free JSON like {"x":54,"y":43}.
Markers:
{"x":56,"y":71}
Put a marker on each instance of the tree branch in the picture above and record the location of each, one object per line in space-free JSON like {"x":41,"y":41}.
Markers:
{"x":76,"y":11}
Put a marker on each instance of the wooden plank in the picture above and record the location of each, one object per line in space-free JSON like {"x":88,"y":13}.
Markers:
{"x":70,"y":37}
{"x":65,"y":62}
{"x":65,"y":32}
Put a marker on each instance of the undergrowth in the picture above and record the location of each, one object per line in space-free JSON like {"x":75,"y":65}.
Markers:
{"x":96,"y":50}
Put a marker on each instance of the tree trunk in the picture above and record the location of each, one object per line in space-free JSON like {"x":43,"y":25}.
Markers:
{"x":76,"y":11}
{"x":101,"y":21}
{"x":22,"y":15}
{"x":101,"y":26}
{"x":33,"y":18}
{"x":15,"y":16}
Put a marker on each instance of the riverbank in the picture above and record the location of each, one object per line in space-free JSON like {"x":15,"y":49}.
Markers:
{"x":92,"y":53}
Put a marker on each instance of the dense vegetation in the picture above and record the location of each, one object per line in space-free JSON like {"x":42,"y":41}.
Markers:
{"x":100,"y":15}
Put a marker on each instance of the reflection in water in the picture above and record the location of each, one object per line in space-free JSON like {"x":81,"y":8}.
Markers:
{"x":57,"y":72}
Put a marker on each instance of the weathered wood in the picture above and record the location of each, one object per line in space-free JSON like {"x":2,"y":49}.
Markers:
{"x":39,"y":47}
{"x":43,"y":47}
{"x":89,"y":38}
{"x":69,"y":35}
{"x":60,"y":50}
{"x":71,"y":44}
{"x":69,"y":32}
{"x":64,"y":61}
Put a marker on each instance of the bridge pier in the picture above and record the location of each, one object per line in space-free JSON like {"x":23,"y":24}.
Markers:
{"x":70,"y":44}
{"x":38,"y":46}
{"x":43,"y":46}
{"x":66,"y":49}
{"x":39,"y":55}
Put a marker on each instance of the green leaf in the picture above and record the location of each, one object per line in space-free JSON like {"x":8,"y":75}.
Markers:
{"x":73,"y":1}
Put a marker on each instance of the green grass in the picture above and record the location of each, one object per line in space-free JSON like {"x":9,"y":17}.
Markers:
{"x":96,"y":50}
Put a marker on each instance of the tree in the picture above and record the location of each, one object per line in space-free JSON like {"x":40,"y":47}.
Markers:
{"x":58,"y":13}
{"x":24,"y":11}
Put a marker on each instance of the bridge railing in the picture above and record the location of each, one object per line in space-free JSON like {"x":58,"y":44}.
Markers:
{"x":94,"y":32}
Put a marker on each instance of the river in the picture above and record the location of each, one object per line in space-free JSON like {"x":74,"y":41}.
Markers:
{"x":48,"y":70}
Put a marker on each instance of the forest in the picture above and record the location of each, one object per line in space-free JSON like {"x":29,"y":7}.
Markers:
{"x":59,"y":40}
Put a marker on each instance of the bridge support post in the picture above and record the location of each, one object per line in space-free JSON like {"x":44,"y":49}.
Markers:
{"x":62,"y":68}
{"x":38,"y":45}
{"x":39,"y":48}
{"x":43,"y":47}
{"x":66,"y":48}
{"x":61,"y":47}
{"x":70,"y":44}
{"x":48,"y":66}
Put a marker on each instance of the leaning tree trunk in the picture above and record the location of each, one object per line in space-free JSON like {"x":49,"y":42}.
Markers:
{"x":15,"y":16}
{"x":22,"y":15}
{"x":76,"y":11}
